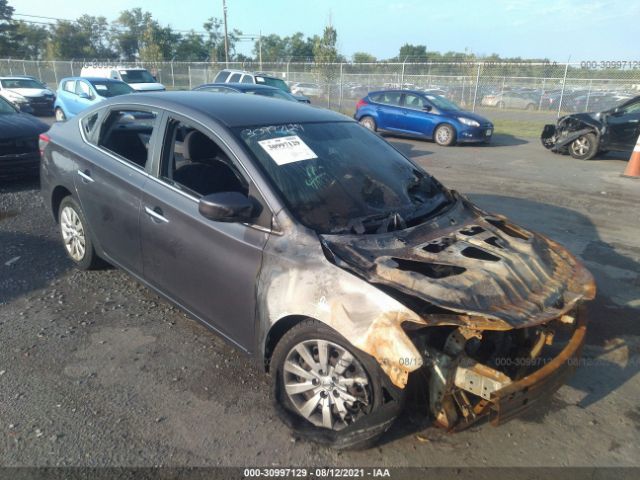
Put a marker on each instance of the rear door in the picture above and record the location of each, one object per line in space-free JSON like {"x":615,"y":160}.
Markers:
{"x":388,"y":110}
{"x":209,"y":268}
{"x":624,"y":126}
{"x":109,"y":185}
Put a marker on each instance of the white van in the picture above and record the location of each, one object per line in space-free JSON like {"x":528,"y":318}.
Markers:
{"x":138,"y":78}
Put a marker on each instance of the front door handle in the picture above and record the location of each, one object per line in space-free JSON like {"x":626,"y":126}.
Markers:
{"x":86,"y":176}
{"x":156,"y":214}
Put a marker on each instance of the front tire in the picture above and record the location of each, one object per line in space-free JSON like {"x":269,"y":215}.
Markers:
{"x":445,"y":135}
{"x":59,"y":114}
{"x":369,"y":123}
{"x":329,"y":391}
{"x":75,"y":235}
{"x":584,"y":147}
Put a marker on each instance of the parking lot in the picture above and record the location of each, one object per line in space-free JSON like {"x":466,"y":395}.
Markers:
{"x":97,"y":370}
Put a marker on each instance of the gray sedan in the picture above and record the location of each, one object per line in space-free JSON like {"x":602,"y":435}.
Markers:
{"x":309,"y":242}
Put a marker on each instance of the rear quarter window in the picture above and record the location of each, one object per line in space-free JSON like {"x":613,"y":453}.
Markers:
{"x":221,"y":77}
{"x":234,"y":78}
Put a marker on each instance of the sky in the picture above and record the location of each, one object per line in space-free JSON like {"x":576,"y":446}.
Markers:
{"x":583,"y":30}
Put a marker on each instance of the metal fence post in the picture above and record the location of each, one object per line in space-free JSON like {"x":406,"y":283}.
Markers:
{"x":189,"y":77}
{"x":540,"y":101}
{"x":173,"y":77}
{"x":341,"y":82}
{"x":564,"y":82}
{"x":55,"y":74}
{"x":9,"y":65}
{"x":586,"y":106}
{"x":39,"y":72}
{"x":24,"y":67}
{"x":475,"y":92}
{"x":402,"y":75}
{"x":71,"y":65}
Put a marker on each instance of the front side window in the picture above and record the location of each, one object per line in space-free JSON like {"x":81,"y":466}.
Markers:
{"x":127,"y":133}
{"x":234,"y":78}
{"x":69,"y":86}
{"x":193,"y":162}
{"x":247,"y":79}
{"x":273,"y":82}
{"x":413,"y":101}
{"x":83,"y":87}
{"x":442,"y":103}
{"x":340,"y":178}
{"x":221,"y":77}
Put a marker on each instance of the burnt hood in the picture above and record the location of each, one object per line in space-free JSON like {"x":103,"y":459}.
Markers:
{"x":469,"y":262}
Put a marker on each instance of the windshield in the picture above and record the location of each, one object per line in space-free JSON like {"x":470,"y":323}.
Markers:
{"x":21,"y":83}
{"x":137,"y":76}
{"x":442,"y":103}
{"x":111,"y":89}
{"x":273,"y":94}
{"x":273,"y":82}
{"x":5,"y":107}
{"x":341,"y":178}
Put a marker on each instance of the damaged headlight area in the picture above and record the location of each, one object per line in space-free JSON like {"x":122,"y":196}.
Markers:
{"x":569,"y":128}
{"x":472,"y":374}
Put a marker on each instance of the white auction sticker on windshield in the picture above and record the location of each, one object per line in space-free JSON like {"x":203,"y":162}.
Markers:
{"x":285,"y":150}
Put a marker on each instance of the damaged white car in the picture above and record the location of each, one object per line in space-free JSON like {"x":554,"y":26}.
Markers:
{"x":311,"y":243}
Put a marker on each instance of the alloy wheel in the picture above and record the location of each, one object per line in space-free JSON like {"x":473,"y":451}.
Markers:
{"x":443,"y":135}
{"x":580,"y":146}
{"x":326,"y":384}
{"x":73,"y":233}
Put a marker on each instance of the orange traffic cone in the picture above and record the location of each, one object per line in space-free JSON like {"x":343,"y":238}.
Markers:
{"x":633,"y":168}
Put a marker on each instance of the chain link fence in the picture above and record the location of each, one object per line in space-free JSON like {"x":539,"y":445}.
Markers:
{"x":498,"y":90}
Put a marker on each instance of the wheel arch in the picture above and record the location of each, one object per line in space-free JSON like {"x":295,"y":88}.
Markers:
{"x":275,"y":334}
{"x":58,"y":194}
{"x":448,"y":123}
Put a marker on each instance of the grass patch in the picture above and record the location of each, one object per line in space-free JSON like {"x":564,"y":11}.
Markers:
{"x":520,"y":128}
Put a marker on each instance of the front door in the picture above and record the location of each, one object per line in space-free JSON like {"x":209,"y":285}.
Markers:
{"x":209,"y":268}
{"x":415,"y":118}
{"x":624,"y":126}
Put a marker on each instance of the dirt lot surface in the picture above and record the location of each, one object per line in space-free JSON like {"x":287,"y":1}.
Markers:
{"x":96,"y":370}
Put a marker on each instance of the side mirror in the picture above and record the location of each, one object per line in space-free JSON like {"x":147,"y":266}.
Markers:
{"x":227,"y":207}
{"x":427,"y":108}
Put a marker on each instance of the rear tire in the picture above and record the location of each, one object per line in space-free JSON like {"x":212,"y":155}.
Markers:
{"x":445,"y":135}
{"x":59,"y":114}
{"x":347,"y":403}
{"x":75,"y":235}
{"x":369,"y":123}
{"x":584,"y":147}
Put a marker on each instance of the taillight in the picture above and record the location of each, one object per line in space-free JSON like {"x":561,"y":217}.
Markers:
{"x":361,"y":103}
{"x":43,"y":140}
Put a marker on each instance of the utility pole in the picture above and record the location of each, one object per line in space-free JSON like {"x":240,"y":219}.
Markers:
{"x":260,"y":49}
{"x":226,"y":35}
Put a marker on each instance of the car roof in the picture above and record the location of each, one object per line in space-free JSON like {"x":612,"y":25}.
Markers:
{"x":93,"y":79}
{"x":394,"y":90}
{"x":240,"y":86}
{"x":233,"y":110}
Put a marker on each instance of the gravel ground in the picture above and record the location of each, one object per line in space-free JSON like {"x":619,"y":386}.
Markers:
{"x":96,"y":370}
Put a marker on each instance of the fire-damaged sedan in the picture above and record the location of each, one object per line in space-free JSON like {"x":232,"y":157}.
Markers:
{"x":312,"y":244}
{"x":18,"y":140}
{"x":584,"y":135}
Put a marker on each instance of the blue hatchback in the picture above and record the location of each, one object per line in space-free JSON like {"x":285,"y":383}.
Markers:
{"x":421,"y":113}
{"x":77,"y":93}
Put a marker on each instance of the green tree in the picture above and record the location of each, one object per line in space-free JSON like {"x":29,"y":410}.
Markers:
{"x":68,"y":40}
{"x":192,"y":48}
{"x":274,"y":48}
{"x":7,"y":30}
{"x":299,"y":48}
{"x":413,"y":53}
{"x":31,"y":41}
{"x":127,"y":30}
{"x":324,"y":49}
{"x":96,"y":30}
{"x":363,"y":57}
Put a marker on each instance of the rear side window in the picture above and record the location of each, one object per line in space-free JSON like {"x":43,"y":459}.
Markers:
{"x":127,"y":133}
{"x":387,"y":98}
{"x":234,"y":78}
{"x":82,"y":87}
{"x":221,"y":77}
{"x":247,"y":79}
{"x":89,"y":123}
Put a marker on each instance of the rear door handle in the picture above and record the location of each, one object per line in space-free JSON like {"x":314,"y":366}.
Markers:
{"x":86,"y":176}
{"x":156,"y":214}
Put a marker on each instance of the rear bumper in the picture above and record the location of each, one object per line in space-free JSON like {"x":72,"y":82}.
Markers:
{"x":540,"y":385}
